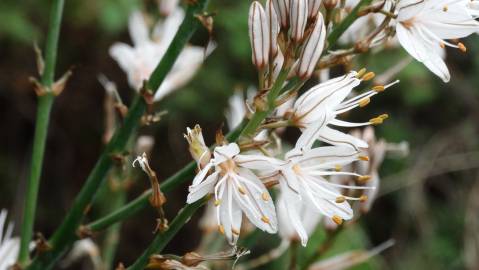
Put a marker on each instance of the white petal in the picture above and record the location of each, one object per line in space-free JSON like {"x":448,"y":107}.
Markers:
{"x":256,"y":203}
{"x":202,"y":189}
{"x":335,"y":137}
{"x":230,"y":215}
{"x":138,"y":29}
{"x":225,"y":152}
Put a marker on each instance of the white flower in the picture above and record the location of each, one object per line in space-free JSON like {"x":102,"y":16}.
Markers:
{"x":236,"y":190}
{"x":9,"y":246}
{"x":302,"y":180}
{"x":319,"y":106}
{"x":84,"y":248}
{"x":424,"y":25}
{"x":308,"y":217}
{"x":140,"y":60}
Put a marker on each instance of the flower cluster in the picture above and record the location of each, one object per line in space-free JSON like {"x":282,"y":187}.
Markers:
{"x":287,"y":36}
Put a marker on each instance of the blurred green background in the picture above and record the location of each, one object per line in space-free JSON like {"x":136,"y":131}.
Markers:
{"x":429,"y":201}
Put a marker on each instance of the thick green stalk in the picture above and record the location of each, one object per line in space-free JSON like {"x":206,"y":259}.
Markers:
{"x":346,"y":23}
{"x":45,"y":103}
{"x":65,"y":234}
{"x":161,"y":239}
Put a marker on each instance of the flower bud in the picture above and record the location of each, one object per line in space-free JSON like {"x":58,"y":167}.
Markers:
{"x":298,"y":17}
{"x":258,"y":34}
{"x":313,"y":8}
{"x":330,"y":4}
{"x":273,"y":28}
{"x":282,"y":10}
{"x":198,"y":149}
{"x":312,"y":49}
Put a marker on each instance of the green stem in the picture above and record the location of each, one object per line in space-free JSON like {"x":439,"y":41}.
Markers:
{"x":259,"y":116}
{"x":45,"y":103}
{"x":161,"y":239}
{"x":346,"y":23}
{"x":65,"y":234}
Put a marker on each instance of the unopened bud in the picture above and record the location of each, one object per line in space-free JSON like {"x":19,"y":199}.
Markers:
{"x":282,"y":10}
{"x":313,"y":8}
{"x":298,"y":17}
{"x":258,"y":35}
{"x":198,"y":149}
{"x":312,"y":50}
{"x":273,"y":28}
{"x":330,"y":4}
{"x":192,"y":259}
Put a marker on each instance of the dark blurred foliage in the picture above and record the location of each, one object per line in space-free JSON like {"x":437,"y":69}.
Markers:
{"x":426,"y":204}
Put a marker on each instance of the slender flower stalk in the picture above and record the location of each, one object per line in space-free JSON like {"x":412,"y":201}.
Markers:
{"x":45,"y":103}
{"x":65,"y":234}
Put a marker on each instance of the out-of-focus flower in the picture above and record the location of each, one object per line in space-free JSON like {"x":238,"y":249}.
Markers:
{"x":319,"y":106}
{"x":81,"y":249}
{"x":167,"y":6}
{"x":140,"y":60}
{"x":236,"y":190}
{"x":424,"y":25}
{"x":9,"y":246}
{"x":144,"y":144}
{"x":302,"y":181}
{"x":349,"y":259}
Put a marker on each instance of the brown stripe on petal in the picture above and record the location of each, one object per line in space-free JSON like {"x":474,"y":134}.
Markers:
{"x":298,"y":17}
{"x":313,"y":8}
{"x":258,"y":33}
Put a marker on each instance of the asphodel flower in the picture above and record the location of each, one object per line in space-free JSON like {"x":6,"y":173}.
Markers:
{"x":303,"y":180}
{"x":259,"y":35}
{"x":139,"y":61}
{"x":312,"y":49}
{"x":423,"y":26}
{"x":319,"y":107}
{"x":298,"y":18}
{"x":9,"y":246}
{"x":236,"y":190}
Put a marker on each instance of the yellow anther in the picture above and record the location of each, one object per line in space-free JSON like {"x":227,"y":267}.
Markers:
{"x":461,"y":47}
{"x":265,"y":196}
{"x":442,"y":45}
{"x":364,"y":178}
{"x":361,"y":72}
{"x":265,"y":219}
{"x":217,"y":202}
{"x":379,"y":88}
{"x":384,"y":116}
{"x":363,"y":198}
{"x":296,"y":168}
{"x":368,"y":76}
{"x":242,"y":190}
{"x":338,"y":220}
{"x":221,"y":229}
{"x":363,"y":102}
{"x":376,"y":121}
{"x":363,"y":158}
{"x":338,"y":168}
{"x":340,"y":199}
{"x":445,"y":8}
{"x":235,"y":231}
